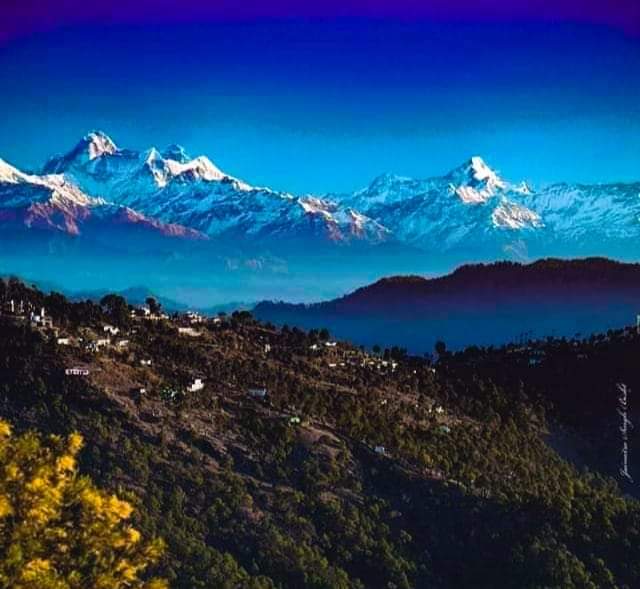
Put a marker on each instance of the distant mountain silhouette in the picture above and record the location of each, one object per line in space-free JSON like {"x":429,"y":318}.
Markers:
{"x":478,"y":304}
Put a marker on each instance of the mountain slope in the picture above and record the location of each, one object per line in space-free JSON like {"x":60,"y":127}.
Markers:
{"x":472,"y":209}
{"x":469,"y":214}
{"x":350,"y":473}
{"x":53,"y":203}
{"x":194,"y":192}
{"x":469,"y":207}
{"x":480,"y":304}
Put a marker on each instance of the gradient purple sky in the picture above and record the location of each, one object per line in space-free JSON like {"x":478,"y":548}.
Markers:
{"x":23,"y":17}
{"x":322,"y":97}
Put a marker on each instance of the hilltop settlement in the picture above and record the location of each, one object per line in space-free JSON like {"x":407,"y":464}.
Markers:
{"x":274,"y":457}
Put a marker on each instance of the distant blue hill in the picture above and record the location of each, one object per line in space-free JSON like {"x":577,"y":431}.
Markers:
{"x":477,"y":305}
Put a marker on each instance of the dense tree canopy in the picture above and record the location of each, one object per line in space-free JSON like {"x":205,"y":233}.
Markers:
{"x":350,"y":473}
{"x":57,"y":529}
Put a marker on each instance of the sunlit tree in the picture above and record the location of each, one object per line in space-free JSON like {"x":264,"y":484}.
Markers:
{"x":57,"y":529}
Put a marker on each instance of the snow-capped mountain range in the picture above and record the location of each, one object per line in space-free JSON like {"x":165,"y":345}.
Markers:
{"x":172,"y":187}
{"x":51,"y":202}
{"x":470,"y":209}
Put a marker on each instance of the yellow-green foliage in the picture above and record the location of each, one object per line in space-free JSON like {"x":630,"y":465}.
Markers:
{"x":59,"y":531}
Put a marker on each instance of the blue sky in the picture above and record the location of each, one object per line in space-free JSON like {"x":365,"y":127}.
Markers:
{"x":327,"y":106}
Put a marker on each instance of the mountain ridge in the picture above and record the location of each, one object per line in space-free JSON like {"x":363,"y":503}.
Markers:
{"x":472,"y":208}
{"x":327,"y":243}
{"x":487,"y":304}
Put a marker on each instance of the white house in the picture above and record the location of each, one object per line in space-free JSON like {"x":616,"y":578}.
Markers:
{"x":121,"y":344}
{"x":190,"y":331}
{"x":439,"y":410}
{"x":95,"y":345}
{"x":380,"y":450}
{"x":197,"y":385}
{"x":63,"y":341}
{"x":145,"y":362}
{"x":41,"y":319}
{"x":194,"y":317}
{"x":331,"y":344}
{"x":111,"y":329}
{"x":75,"y":371}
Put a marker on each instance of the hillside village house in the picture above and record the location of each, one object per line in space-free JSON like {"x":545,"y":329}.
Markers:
{"x":41,"y":320}
{"x":196,"y":385}
{"x":146,"y":362}
{"x":111,"y":329}
{"x":193,"y":317}
{"x":330,"y":344}
{"x":95,"y":345}
{"x":190,"y":331}
{"x":63,"y":341}
{"x":144,"y":312}
{"x":9,"y":307}
{"x":121,"y":344}
{"x":13,"y":308}
{"x":76,"y":371}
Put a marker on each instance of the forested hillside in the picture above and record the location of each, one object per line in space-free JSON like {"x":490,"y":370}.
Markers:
{"x":272,"y":457}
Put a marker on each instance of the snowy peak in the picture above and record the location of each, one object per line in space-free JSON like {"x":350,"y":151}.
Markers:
{"x":88,"y":150}
{"x":10,"y":174}
{"x":176,"y":153}
{"x":481,"y":171}
{"x":23,"y":189}
{"x":52,"y":202}
{"x":510,"y":215}
{"x":165,"y":169}
{"x":475,"y":182}
{"x":200,"y":168}
{"x":475,"y":170}
{"x":103,"y":169}
{"x":98,"y":144}
{"x":344,"y":224}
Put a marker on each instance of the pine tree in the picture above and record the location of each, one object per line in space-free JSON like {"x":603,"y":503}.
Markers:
{"x":57,"y":529}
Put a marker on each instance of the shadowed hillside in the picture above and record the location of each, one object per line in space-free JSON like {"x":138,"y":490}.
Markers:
{"x":479,"y":304}
{"x":271,"y":457}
